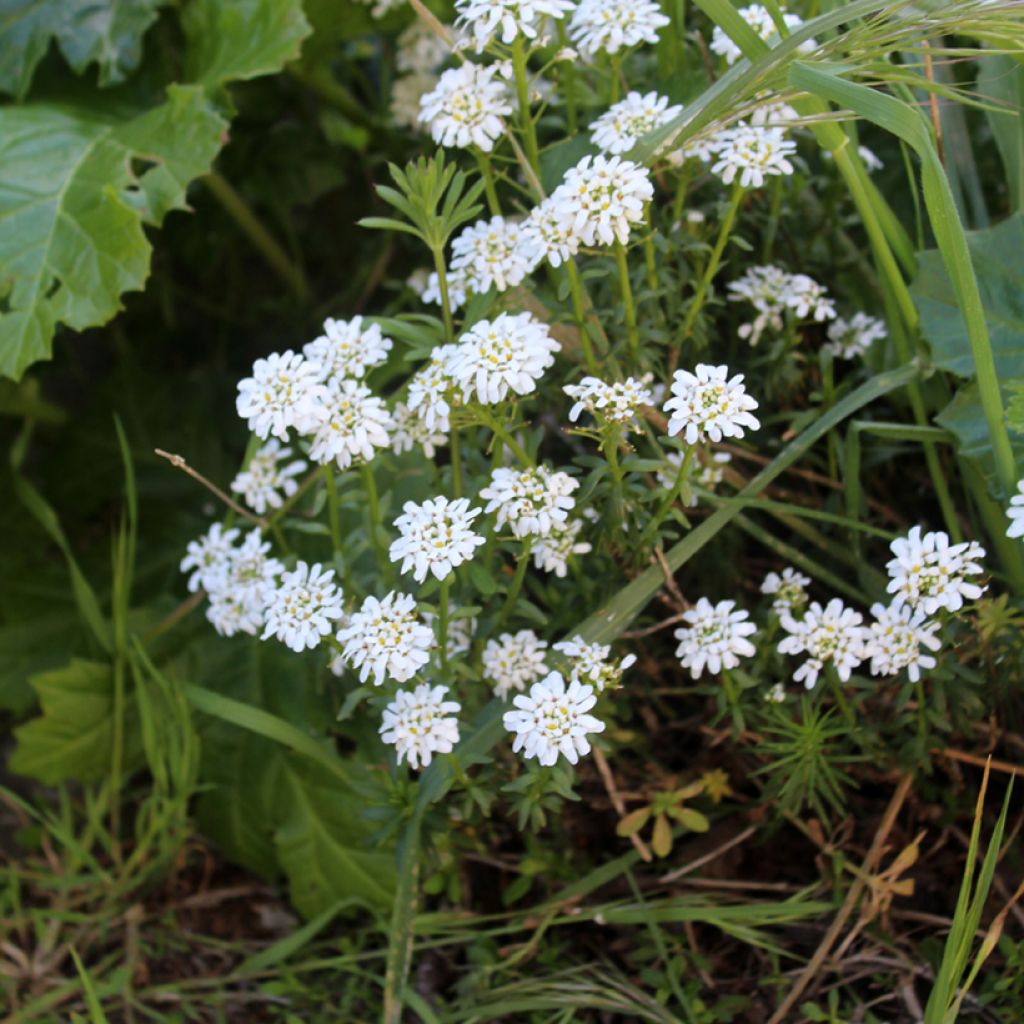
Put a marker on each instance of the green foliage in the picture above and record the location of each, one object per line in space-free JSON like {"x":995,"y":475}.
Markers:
{"x":76,"y":187}
{"x":72,"y":737}
{"x":107,"y":32}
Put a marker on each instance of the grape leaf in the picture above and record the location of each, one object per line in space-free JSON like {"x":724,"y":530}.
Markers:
{"x":237,"y":39}
{"x":76,"y":186}
{"x":108,"y":32}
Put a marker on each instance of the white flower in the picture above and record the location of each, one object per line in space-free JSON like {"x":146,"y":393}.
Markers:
{"x":420,"y":48}
{"x":808,"y":298}
{"x":265,"y":483}
{"x":716,"y":637}
{"x":418,"y":724}
{"x":776,"y":695}
{"x":430,"y":390}
{"x":854,"y":337}
{"x":304,"y":608}
{"x":210,"y":559}
{"x":513,"y":661}
{"x":347,"y":349}
{"x":625,"y":123}
{"x":1015,"y":513}
{"x":386,"y":638}
{"x":553,"y":720}
{"x":533,"y":502}
{"x":833,"y":633}
{"x":710,"y":473}
{"x":457,"y":289}
{"x":871,"y":161}
{"x":613,"y":25}
{"x":773,"y":290}
{"x":435,"y":537}
{"x":409,"y":429}
{"x":617,"y":402}
{"x":551,"y":234}
{"x":252,"y":573}
{"x":896,"y":638}
{"x":495,"y":252}
{"x":466,"y":107}
{"x":789,"y":590}
{"x":357,"y":424}
{"x":601,"y":197}
{"x":707,"y":404}
{"x":509,"y":353}
{"x":507,"y":19}
{"x":552,"y":553}
{"x":752,"y":151}
{"x":230,"y":613}
{"x":758,"y":18}
{"x":928,"y":573}
{"x":460,"y":632}
{"x":592,"y":663}
{"x":284,"y":391}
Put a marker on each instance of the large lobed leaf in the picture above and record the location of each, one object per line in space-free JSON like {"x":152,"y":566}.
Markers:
{"x":107,"y":32}
{"x":76,"y":186}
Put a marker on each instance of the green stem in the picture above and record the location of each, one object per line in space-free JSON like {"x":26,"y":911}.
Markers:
{"x":709,"y":272}
{"x":610,"y":446}
{"x":517,"y":581}
{"x":442,"y":621}
{"x":502,"y":436}
{"x":252,"y":227}
{"x":569,"y":92}
{"x":670,"y":499}
{"x":774,"y":212}
{"x":333,"y":510}
{"x":579,"y":313}
{"x":456,"y":452}
{"x":627,"y":300}
{"x":487,"y":172}
{"x":520,"y":72}
{"x":616,"y":74}
{"x":844,"y":705}
{"x":922,"y":718}
{"x":370,"y":485}
{"x":442,"y":287}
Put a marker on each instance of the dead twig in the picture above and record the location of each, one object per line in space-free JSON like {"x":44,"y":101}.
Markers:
{"x":178,"y":461}
{"x":620,"y":808}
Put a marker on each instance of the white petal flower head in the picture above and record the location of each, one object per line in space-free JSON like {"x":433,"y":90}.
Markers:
{"x":715,"y":637}
{"x":458,"y":286}
{"x":209,"y":559}
{"x":871,"y":161}
{"x":807,"y":298}
{"x":421,"y":49}
{"x":625,"y":123}
{"x":435,"y":537}
{"x":831,"y":634}
{"x":514,"y":661}
{"x":776,"y":695}
{"x":552,"y":553}
{"x":601,"y":197}
{"x":617,"y":402}
{"x":466,"y":108}
{"x":284,"y":391}
{"x":532,"y":502}
{"x":553,"y":720}
{"x":593,"y":664}
{"x":507,"y":354}
{"x":754,"y":153}
{"x":407,"y":95}
{"x":252,"y":571}
{"x":494,"y":253}
{"x":410,"y":430}
{"x":358,"y":423}
{"x":266,"y":481}
{"x":507,"y":20}
{"x":551,"y":234}
{"x":851,"y":338}
{"x":431,"y":390}
{"x":788,"y":590}
{"x":896,"y":639}
{"x":230,"y":613}
{"x":304,"y":608}
{"x":419,"y":724}
{"x":709,"y":473}
{"x":709,"y":404}
{"x":766,"y":288}
{"x":460,"y":632}
{"x":1015,"y":513}
{"x":929,"y":573}
{"x":758,"y":18}
{"x":386,"y":639}
{"x":613,"y":25}
{"x":348,"y":348}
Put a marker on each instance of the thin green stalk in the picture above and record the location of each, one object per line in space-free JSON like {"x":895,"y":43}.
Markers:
{"x":442,"y":287}
{"x":456,"y":452}
{"x":370,"y":484}
{"x":774,"y":212}
{"x":442,"y":621}
{"x":610,"y":446}
{"x":520,"y":71}
{"x":333,"y":510}
{"x":922,"y":717}
{"x":579,"y":314}
{"x":252,"y":227}
{"x":502,"y":436}
{"x":517,"y":581}
{"x":615,"y":64}
{"x":568,"y":68}
{"x":844,"y":705}
{"x":670,"y":499}
{"x":487,"y":172}
{"x":709,"y":272}
{"x":632,"y":333}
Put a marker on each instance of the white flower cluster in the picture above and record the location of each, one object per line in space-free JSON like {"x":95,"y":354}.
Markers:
{"x":715,"y":637}
{"x":709,"y":473}
{"x":761,"y":21}
{"x":928,"y":573}
{"x":625,"y":123}
{"x":788,"y":591}
{"x":513,"y":661}
{"x":435,"y":537}
{"x":592,"y":664}
{"x":266,"y":481}
{"x":772,"y":290}
{"x":552,"y":552}
{"x":614,"y":25}
{"x":752,"y":152}
{"x":507,"y":20}
{"x":533,"y":502}
{"x":833,"y":634}
{"x":304,"y":607}
{"x":1015,"y":513}
{"x":496,"y":253}
{"x":386,"y":639}
{"x":466,"y":107}
{"x":709,"y":404}
{"x":848,"y":339}
{"x":418,"y":724}
{"x":617,"y":402}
